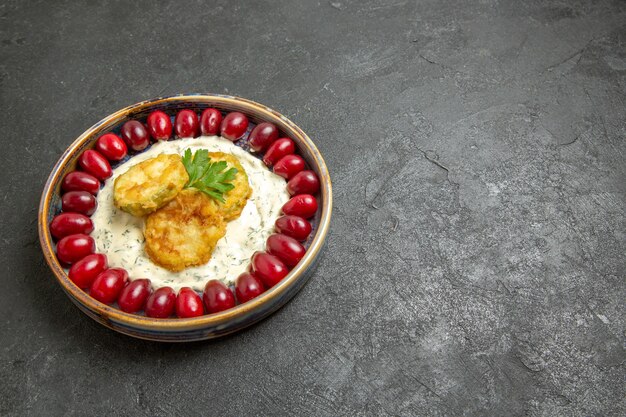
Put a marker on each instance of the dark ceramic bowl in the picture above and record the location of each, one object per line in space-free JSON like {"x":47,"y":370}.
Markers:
{"x":208,"y":326}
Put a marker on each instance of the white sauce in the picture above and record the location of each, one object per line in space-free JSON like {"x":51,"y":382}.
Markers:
{"x":119,"y":235}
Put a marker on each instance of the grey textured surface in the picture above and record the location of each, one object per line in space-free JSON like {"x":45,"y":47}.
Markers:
{"x":476,"y":264}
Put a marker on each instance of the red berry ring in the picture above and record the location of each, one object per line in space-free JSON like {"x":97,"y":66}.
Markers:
{"x":111,"y":285}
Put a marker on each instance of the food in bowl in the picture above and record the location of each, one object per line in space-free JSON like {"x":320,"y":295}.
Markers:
{"x":184,"y":233}
{"x":159,"y":239}
{"x":150,"y":184}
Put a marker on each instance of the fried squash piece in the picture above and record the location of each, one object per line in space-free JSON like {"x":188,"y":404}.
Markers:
{"x":184,"y":232}
{"x":150,"y":184}
{"x":235,"y":199}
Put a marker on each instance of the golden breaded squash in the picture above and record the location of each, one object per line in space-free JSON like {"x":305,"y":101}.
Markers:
{"x":235,"y":199}
{"x":150,"y":184}
{"x":184,"y":232}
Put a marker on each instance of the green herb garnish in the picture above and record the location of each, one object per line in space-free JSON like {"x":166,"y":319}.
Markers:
{"x":206,"y":176}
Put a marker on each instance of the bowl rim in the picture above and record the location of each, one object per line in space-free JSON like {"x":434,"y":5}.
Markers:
{"x":209,"y":320}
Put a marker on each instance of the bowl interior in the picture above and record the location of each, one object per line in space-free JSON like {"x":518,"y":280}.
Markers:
{"x":209,"y":325}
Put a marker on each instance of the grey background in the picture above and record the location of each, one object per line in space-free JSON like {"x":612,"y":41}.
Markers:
{"x":476,"y":260}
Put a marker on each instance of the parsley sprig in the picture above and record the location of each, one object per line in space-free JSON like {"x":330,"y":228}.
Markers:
{"x":211,"y":178}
